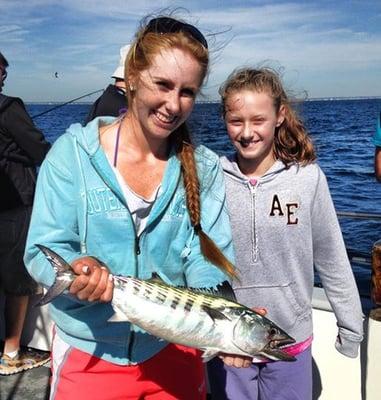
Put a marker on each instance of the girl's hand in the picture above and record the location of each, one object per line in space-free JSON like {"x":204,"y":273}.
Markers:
{"x":235,"y":360}
{"x":232,"y":360}
{"x":94,"y":281}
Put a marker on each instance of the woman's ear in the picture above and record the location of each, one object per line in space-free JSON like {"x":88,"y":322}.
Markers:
{"x":281,"y":115}
{"x":131,"y":83}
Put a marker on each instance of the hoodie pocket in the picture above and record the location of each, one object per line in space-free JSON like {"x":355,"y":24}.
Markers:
{"x":284,"y":306}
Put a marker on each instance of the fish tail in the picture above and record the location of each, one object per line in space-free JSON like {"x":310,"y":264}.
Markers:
{"x":60,"y":284}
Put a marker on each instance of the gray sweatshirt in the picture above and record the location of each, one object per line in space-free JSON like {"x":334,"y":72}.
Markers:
{"x":283,"y":226}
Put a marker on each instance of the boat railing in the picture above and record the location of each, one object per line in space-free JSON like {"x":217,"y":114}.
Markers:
{"x":356,"y":256}
{"x":374,"y":259}
{"x":371,"y":299}
{"x":359,"y":215}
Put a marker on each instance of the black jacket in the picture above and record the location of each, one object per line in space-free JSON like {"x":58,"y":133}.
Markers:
{"x":108,"y":104}
{"x":22,"y":148}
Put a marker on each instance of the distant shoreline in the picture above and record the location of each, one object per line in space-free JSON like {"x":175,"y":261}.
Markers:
{"x":217,"y":101}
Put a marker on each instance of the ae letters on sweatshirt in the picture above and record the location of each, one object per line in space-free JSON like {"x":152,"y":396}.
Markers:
{"x":288,"y":209}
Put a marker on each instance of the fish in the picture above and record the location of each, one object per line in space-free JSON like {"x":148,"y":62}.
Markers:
{"x":198,"y":318}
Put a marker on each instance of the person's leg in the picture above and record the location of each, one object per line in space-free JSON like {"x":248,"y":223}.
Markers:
{"x":15,"y":281}
{"x":15,"y":308}
{"x":287,"y":380}
{"x":230,"y":383}
{"x":78,"y":375}
{"x":174,"y":373}
{"x":17,"y":285}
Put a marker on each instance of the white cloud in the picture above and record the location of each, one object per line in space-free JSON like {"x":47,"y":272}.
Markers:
{"x":82,"y":39}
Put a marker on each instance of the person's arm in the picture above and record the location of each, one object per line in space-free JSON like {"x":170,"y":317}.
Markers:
{"x":17,"y":122}
{"x":377,"y":163}
{"x":54,"y":224}
{"x":93,"y":111}
{"x":332,"y":264}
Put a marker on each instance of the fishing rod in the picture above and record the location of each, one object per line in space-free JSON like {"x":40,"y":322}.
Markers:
{"x":68,"y":102}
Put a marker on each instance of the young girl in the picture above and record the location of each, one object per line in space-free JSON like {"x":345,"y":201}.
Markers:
{"x":134,"y":193}
{"x":284,"y":224}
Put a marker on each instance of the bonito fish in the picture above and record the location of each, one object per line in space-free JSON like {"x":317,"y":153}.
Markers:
{"x":184,"y":316}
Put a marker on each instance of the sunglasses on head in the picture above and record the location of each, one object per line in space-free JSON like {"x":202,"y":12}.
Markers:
{"x":170,"y":25}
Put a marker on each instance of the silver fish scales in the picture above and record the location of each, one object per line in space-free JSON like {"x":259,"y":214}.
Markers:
{"x":191,"y":317}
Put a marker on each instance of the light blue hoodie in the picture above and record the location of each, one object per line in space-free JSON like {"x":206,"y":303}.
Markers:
{"x":79,"y":210}
{"x":377,"y":135}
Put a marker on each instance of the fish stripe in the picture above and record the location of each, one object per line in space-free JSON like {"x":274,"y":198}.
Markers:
{"x":176,"y":295}
{"x":175,"y":302}
{"x":188,"y":305}
{"x":160,"y":297}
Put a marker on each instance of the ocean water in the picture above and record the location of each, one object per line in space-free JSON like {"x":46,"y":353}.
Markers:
{"x":342,"y":132}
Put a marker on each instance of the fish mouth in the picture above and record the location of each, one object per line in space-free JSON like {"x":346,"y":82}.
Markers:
{"x":279,"y":343}
{"x":274,"y":350}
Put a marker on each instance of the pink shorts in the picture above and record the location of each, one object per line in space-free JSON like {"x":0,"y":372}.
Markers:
{"x":176,"y":372}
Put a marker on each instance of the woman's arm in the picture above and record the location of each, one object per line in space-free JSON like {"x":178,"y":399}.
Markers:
{"x":54,"y":224}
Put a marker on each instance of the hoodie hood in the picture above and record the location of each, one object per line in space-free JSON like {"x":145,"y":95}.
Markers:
{"x":231,"y":169}
{"x":87,"y":136}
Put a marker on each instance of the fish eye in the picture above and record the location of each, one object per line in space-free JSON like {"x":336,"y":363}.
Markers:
{"x":273,"y":331}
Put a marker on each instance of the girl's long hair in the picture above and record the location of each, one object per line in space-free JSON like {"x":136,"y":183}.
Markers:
{"x":291,"y":140}
{"x":142,"y":51}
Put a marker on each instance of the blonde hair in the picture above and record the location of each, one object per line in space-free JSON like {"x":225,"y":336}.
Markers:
{"x":140,"y":57}
{"x":291,"y":140}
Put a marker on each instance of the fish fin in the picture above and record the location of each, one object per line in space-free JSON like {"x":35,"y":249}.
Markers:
{"x":60,"y":267}
{"x":214,"y":313}
{"x":155,"y":278}
{"x":57,"y":288}
{"x":225,"y":290}
{"x":118,"y":316}
{"x":58,"y":263}
{"x":221,"y":290}
{"x":277,"y":355}
{"x":259,"y":358}
{"x":208,"y":354}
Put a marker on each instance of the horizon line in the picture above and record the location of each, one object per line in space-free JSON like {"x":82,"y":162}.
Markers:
{"x":327,"y":98}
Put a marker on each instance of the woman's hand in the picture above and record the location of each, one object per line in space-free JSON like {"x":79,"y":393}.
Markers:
{"x":94,"y":281}
{"x":237,"y":361}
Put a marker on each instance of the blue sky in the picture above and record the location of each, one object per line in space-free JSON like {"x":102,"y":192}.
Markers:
{"x":326,"y":48}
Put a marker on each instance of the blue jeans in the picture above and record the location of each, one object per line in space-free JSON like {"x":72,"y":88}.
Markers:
{"x":278,"y":380}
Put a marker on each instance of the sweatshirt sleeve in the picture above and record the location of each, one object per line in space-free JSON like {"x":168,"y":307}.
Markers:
{"x":28,"y":137}
{"x":332,"y":264}
{"x":215,"y":223}
{"x":54,"y":217}
{"x":377,"y":135}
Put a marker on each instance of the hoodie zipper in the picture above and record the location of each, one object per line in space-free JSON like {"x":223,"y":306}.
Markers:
{"x":253,"y":184}
{"x":137,"y":245}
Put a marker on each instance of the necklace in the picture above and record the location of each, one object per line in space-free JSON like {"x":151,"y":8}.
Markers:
{"x":116,"y":148}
